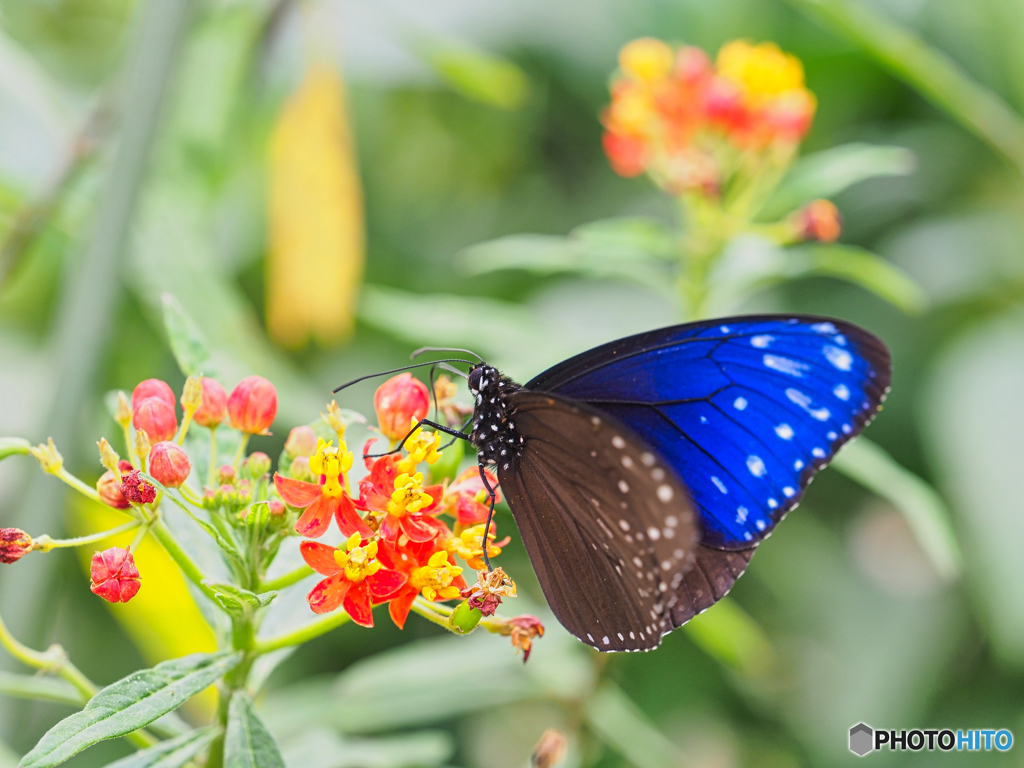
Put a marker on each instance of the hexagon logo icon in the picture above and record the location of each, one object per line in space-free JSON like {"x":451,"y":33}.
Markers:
{"x":861,"y":739}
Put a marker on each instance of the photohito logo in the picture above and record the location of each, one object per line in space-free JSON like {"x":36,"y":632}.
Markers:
{"x":865,"y":739}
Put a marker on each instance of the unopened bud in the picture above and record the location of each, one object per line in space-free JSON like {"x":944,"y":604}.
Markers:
{"x":123,"y":415}
{"x":257,"y":465}
{"x":244,"y":491}
{"x":161,"y":390}
{"x":109,"y":457}
{"x":276,"y":508}
{"x":48,"y":456}
{"x":169,"y":464}
{"x":192,"y":395}
{"x":209,"y":499}
{"x":252,"y":405}
{"x":464,"y":618}
{"x":142,"y":444}
{"x":214,"y":409}
{"x":333,"y":418}
{"x":225,"y":496}
{"x":156,"y":417}
{"x":109,"y":486}
{"x":818,"y":221}
{"x":257,"y":516}
{"x":299,"y":469}
{"x":114,"y":575}
{"x":301,"y":441}
{"x":399,"y":401}
{"x":14,"y":544}
{"x":226,"y":474}
{"x":550,"y":749}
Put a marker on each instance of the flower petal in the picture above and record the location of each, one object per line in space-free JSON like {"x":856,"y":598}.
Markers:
{"x":417,"y":529}
{"x":296,"y":493}
{"x":384,"y":584}
{"x":357,"y":604}
{"x":389,"y":529}
{"x":327,"y":596}
{"x":400,"y":606}
{"x":319,"y":557}
{"x":317,"y":518}
{"x":349,"y":520}
{"x":436,"y":492}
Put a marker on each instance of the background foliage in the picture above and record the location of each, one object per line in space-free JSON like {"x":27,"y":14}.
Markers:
{"x":135,"y":160}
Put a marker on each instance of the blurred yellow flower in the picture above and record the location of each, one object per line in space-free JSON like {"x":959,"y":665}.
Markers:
{"x":763,"y":71}
{"x":316,"y":237}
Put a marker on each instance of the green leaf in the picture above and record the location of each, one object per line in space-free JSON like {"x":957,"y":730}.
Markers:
{"x":923,"y":508}
{"x":937,"y":76}
{"x":7,"y":757}
{"x":863,"y":268}
{"x":248,"y":743}
{"x":187,"y":342}
{"x":322,"y":748}
{"x":169,"y":754}
{"x":39,"y":687}
{"x":130,"y":704}
{"x":480,"y":76}
{"x":13,"y":446}
{"x":827,"y":173}
{"x":238,"y":601}
{"x":620,"y":724}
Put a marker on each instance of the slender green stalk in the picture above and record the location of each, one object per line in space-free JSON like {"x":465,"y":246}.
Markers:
{"x":287,"y":580}
{"x":303,"y":634}
{"x":178,"y":555}
{"x":240,"y":454}
{"x":45,"y":543}
{"x":938,"y":78}
{"x":86,"y":490}
{"x":211,"y":471}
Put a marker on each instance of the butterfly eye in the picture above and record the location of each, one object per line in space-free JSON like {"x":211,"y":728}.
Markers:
{"x":475,"y":376}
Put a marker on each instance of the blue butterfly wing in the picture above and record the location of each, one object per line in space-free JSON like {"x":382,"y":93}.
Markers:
{"x":745,"y":409}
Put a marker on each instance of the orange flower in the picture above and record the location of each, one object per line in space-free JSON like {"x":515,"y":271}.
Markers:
{"x":326,"y":499}
{"x":467,"y":500}
{"x":355,"y":578}
{"x":401,"y":497}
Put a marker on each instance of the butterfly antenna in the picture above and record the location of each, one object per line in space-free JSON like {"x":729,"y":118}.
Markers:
{"x":452,"y":369}
{"x":398,"y":370}
{"x":421,"y":350}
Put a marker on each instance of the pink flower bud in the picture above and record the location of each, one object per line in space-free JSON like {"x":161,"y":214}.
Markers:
{"x":114,"y":575}
{"x":214,"y":409}
{"x":156,"y":417}
{"x":226,"y":474}
{"x":301,"y":441}
{"x":253,"y":405}
{"x":109,"y":487}
{"x":14,"y":544}
{"x":169,"y":464}
{"x":153,"y":388}
{"x":136,"y":490}
{"x":398,"y":401}
{"x":257,"y":465}
{"x":276,"y":508}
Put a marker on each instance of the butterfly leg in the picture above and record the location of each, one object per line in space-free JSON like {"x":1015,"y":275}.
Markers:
{"x":421,"y":423}
{"x":490,"y":513}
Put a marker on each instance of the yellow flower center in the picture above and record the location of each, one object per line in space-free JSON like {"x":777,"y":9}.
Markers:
{"x":470,"y":545}
{"x":421,"y":446}
{"x":763,"y":71}
{"x":646,"y":59}
{"x":332,"y":464}
{"x":358,"y":562}
{"x":408,"y":496}
{"x":435,"y":578}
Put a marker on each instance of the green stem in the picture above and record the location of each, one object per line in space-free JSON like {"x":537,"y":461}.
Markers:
{"x":427,"y":611}
{"x":45,"y":543}
{"x":86,"y":490}
{"x":186,"y":422}
{"x":287,"y":580}
{"x":184,"y":562}
{"x":302,"y":635}
{"x":241,"y":450}
{"x":55,"y":660}
{"x":140,"y":536}
{"x":129,"y":445}
{"x":190,"y":496}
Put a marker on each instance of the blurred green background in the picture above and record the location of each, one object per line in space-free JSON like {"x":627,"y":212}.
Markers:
{"x":134,"y":161}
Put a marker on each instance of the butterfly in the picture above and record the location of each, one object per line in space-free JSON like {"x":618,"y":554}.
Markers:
{"x":643,"y":473}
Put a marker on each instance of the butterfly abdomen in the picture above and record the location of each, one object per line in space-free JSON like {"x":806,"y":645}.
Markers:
{"x":494,"y":434}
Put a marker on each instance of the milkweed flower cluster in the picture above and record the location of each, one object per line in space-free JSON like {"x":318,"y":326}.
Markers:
{"x":392,"y":545}
{"x":397,"y":548}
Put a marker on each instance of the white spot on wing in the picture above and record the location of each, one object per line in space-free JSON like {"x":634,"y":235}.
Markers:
{"x":824,"y":328}
{"x":840,"y":358}
{"x":784,"y":431}
{"x":805,"y":402}
{"x":798,"y":465}
{"x":841,"y":391}
{"x":788,"y":492}
{"x":654,"y":533}
{"x":719,"y":484}
{"x":785,"y":365}
{"x":761,"y":341}
{"x":665,"y":493}
{"x":818,"y":453}
{"x":623,"y":486}
{"x":618,"y":442}
{"x":741,"y":515}
{"x":740,"y":403}
{"x":756,"y":466}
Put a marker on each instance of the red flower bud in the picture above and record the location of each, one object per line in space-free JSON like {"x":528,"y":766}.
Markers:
{"x":114,"y":575}
{"x":820,"y":221}
{"x":214,"y":409}
{"x":136,"y":490}
{"x":398,"y":401}
{"x":253,"y":405}
{"x":301,"y":441}
{"x":109,"y":487}
{"x":153,"y":388}
{"x":169,"y":464}
{"x":14,"y":544}
{"x":155,"y":416}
